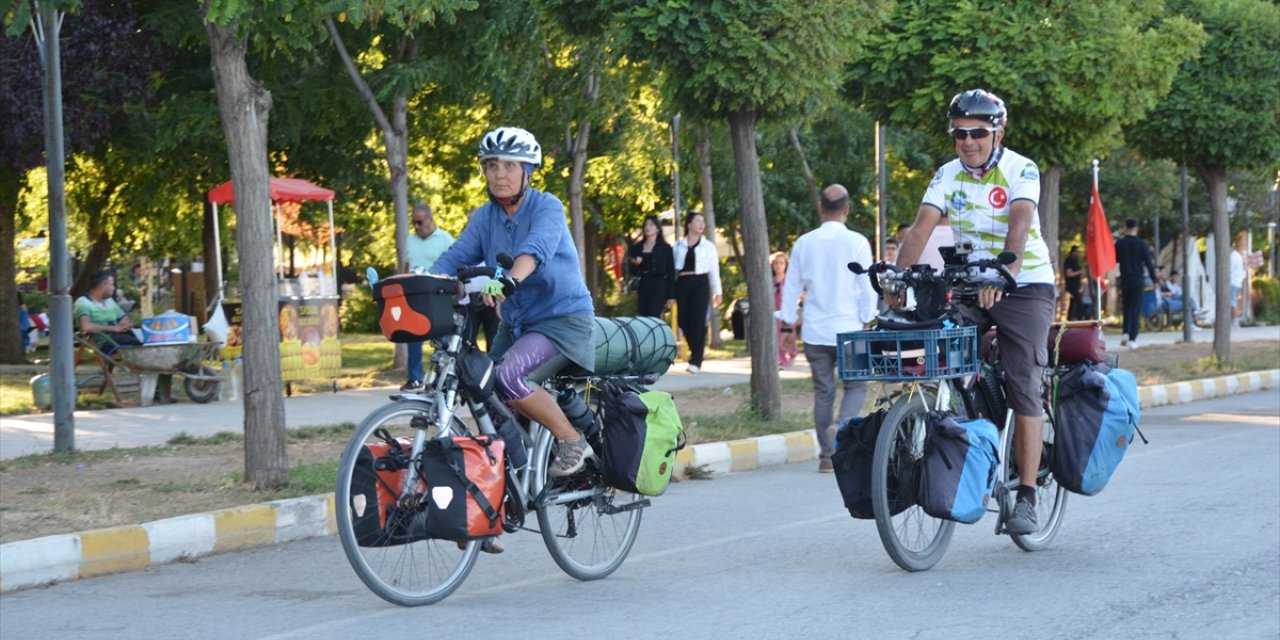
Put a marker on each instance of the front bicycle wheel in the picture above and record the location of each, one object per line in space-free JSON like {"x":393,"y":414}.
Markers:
{"x":914,"y":539}
{"x":588,"y":527}
{"x":394,"y":564}
{"x":1051,"y":498}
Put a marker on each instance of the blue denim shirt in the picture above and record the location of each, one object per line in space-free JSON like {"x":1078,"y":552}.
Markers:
{"x":539,"y":229}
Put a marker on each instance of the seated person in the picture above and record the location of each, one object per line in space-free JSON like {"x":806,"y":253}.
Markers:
{"x":98,"y":314}
{"x":1172,"y":299}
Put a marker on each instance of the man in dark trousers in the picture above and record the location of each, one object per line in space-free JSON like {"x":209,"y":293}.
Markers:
{"x":1071,"y":280}
{"x":1133,"y":255}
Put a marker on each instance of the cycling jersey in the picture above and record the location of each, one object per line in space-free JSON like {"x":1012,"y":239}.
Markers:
{"x":978,"y":209}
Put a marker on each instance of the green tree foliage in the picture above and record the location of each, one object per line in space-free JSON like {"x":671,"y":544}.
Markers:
{"x":1223,"y":112}
{"x":1072,"y":73}
{"x":107,"y":65}
{"x":721,"y":60}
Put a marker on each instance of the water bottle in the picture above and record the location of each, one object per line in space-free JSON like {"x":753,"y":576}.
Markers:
{"x":237,"y":381}
{"x":578,"y":413}
{"x":507,"y":429}
{"x":225,"y":390}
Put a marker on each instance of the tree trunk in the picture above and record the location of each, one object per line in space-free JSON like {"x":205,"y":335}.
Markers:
{"x":10,"y":330}
{"x":397,"y":141}
{"x":244,"y":106}
{"x":212,"y":279}
{"x":1215,"y":182}
{"x":804,"y":169}
{"x":578,"y":172}
{"x":94,"y":260}
{"x":578,"y":176}
{"x":395,"y":136}
{"x":1050,"y":185}
{"x":766,"y":390}
{"x":709,"y":212}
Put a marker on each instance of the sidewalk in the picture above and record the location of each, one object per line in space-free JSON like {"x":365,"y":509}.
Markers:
{"x":56,"y":558}
{"x":141,"y":426}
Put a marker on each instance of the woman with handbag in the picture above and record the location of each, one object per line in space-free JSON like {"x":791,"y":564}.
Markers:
{"x":652,"y":267}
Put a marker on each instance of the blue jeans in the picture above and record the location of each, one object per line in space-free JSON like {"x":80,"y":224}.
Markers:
{"x":415,"y":361}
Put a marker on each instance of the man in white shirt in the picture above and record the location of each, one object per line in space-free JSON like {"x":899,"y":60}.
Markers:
{"x":835,"y":301}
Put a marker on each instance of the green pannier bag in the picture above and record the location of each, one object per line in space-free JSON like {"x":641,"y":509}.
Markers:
{"x":641,"y":435}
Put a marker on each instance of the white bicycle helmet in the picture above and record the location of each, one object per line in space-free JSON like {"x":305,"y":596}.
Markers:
{"x":979,"y":104}
{"x":511,"y":143}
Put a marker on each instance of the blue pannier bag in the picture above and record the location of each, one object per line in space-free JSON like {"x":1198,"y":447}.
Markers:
{"x":1094,"y":425}
{"x":958,"y":470}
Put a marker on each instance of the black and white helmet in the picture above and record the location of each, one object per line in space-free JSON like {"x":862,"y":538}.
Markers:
{"x":511,"y":143}
{"x":979,"y":104}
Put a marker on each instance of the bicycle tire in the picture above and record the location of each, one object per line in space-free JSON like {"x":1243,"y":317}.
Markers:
{"x":987,"y":397}
{"x":412,"y":574}
{"x":915,"y":540}
{"x":1051,"y":498}
{"x":583,"y":536}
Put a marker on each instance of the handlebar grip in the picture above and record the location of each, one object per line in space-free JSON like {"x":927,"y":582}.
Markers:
{"x":505,"y":260}
{"x":467,"y":273}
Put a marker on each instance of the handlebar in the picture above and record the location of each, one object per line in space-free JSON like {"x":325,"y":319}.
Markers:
{"x":505,"y":262}
{"x":952,"y":275}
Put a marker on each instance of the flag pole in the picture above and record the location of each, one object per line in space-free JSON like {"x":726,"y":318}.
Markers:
{"x":1097,"y":277}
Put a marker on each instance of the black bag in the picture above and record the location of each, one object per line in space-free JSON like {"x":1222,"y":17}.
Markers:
{"x":466,"y":479}
{"x":855,"y":448}
{"x":415,"y":308}
{"x":641,"y":436}
{"x":376,"y":482}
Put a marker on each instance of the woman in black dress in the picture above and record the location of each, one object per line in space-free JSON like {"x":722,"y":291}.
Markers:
{"x":652,"y":270}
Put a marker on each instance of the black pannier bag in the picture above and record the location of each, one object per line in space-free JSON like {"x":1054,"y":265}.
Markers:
{"x":855,"y":449}
{"x":375,"y":488}
{"x":466,"y":480}
{"x":415,"y":308}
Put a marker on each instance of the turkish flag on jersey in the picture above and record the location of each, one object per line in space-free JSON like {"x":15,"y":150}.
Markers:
{"x":1099,"y":247}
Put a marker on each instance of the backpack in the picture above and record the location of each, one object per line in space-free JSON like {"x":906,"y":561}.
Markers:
{"x":466,"y":480}
{"x":376,"y":482}
{"x":1094,"y":424}
{"x":641,"y":435}
{"x":855,"y":448}
{"x":958,"y":470}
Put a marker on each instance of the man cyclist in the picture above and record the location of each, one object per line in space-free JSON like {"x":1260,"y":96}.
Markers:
{"x":547,"y":320}
{"x":990,"y":194}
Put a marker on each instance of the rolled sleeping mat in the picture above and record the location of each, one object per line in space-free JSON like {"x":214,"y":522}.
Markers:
{"x":633,"y":346}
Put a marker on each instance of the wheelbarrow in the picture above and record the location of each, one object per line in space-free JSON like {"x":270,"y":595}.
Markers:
{"x":186,"y":359}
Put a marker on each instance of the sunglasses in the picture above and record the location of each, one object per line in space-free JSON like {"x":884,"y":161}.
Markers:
{"x":976,"y":133}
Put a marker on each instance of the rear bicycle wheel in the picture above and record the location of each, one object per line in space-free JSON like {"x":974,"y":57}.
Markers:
{"x":914,"y":539}
{"x":589,"y":528}
{"x":409,"y":574}
{"x":1051,"y":498}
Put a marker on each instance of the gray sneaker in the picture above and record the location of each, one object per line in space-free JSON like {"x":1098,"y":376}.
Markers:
{"x":568,"y":456}
{"x":1023,"y":520}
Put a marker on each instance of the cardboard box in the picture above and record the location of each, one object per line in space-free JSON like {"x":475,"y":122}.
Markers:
{"x":168,"y":327}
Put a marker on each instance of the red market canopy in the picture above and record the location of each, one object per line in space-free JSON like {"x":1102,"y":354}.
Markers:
{"x":282,"y":190}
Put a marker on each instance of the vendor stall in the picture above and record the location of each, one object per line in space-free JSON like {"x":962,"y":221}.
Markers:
{"x":309,"y":344}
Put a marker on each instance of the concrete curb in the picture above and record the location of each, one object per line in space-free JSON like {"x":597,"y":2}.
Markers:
{"x":42,"y":561}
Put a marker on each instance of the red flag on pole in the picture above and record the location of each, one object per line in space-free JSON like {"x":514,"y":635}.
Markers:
{"x":1100,"y":248}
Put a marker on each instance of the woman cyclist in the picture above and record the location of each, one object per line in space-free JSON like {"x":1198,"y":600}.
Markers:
{"x":547,"y":317}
